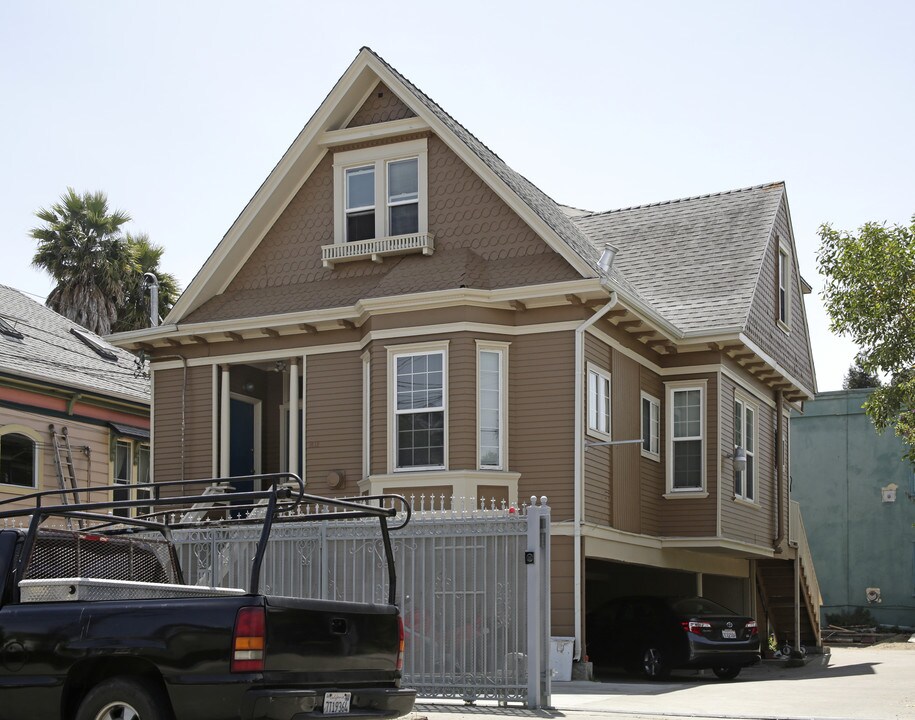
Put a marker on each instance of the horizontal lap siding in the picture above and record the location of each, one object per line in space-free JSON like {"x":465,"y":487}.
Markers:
{"x":626,"y":458}
{"x":197,"y":443}
{"x":462,"y":403}
{"x":652,"y":472}
{"x":562,"y":588}
{"x":541,"y":418}
{"x":686,"y":517}
{"x":92,"y":468}
{"x":752,"y":524}
{"x":333,"y":421}
{"x":598,"y":460}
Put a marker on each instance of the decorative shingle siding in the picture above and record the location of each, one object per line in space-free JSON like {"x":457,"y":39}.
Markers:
{"x":479,"y":242}
{"x":381,"y":106}
{"x":790,"y":349}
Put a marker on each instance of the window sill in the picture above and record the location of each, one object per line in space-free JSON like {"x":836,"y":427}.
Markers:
{"x":747,"y":503}
{"x":376,"y":250}
{"x":784,"y":327}
{"x":651,"y":456}
{"x":685,"y":495}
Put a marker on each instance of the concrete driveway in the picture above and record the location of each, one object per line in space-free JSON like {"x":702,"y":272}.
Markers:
{"x":852,"y":684}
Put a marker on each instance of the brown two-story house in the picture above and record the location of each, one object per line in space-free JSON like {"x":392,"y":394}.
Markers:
{"x":398,"y":310}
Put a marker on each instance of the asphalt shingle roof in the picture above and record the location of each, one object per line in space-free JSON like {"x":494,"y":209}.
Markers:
{"x":49,"y":351}
{"x":696,"y":260}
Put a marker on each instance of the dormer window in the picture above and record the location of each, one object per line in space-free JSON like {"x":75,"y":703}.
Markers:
{"x":380,"y":201}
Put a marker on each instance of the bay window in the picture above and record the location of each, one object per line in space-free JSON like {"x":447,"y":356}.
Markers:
{"x":685,"y":437}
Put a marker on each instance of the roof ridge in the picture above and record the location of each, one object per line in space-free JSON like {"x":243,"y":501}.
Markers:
{"x":682,"y":199}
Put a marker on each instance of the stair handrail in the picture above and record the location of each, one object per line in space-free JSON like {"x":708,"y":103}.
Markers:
{"x":808,"y":571}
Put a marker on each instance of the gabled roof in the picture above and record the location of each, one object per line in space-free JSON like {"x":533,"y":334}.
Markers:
{"x":696,"y":260}
{"x":539,"y":210}
{"x":49,"y":352}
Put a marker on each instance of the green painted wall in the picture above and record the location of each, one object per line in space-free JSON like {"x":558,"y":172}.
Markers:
{"x":839,"y":467}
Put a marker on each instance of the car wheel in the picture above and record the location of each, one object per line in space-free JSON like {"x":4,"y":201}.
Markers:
{"x":727,"y":672}
{"x":124,"y":699}
{"x":654,"y":663}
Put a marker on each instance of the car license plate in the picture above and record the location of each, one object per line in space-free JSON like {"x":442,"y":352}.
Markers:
{"x":729,"y":634}
{"x":336,"y":703}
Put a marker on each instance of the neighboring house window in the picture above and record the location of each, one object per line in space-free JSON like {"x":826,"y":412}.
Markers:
{"x":18,"y":459}
{"x":491,"y":404}
{"x":598,"y":402}
{"x":784,"y":295}
{"x":651,"y":427}
{"x":131,"y":466}
{"x":745,"y":437}
{"x":381,"y":192}
{"x":685,"y":437}
{"x":419,"y":410}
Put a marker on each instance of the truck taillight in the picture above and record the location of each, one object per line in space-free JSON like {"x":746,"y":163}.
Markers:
{"x":400,"y":644}
{"x":249,"y":640}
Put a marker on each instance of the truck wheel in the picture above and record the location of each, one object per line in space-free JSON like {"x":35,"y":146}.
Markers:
{"x":124,"y":699}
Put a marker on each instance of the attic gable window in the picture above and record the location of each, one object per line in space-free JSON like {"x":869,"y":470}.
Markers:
{"x":91,"y":342}
{"x":9,"y":330}
{"x":380,"y":203}
{"x":784,"y":287}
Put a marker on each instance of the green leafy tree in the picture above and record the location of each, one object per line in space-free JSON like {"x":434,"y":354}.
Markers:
{"x":869,"y":295}
{"x":134,"y":312}
{"x":97,"y":268}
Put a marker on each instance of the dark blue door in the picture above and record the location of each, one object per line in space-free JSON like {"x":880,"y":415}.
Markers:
{"x":241,"y":443}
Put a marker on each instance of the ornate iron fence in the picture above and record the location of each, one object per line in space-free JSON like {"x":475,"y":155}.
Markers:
{"x":473,"y":587}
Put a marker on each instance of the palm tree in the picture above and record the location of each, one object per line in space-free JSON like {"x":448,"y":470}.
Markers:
{"x":134,"y":313}
{"x":81,"y":247}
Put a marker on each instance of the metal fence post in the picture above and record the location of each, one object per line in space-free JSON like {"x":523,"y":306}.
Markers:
{"x":545,"y":607}
{"x":533,"y":561}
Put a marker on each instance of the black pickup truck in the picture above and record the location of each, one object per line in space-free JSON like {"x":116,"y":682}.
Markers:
{"x":97,"y":623}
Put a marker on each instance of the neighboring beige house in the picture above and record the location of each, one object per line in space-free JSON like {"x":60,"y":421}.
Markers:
{"x":439,"y":326}
{"x":62,"y":386}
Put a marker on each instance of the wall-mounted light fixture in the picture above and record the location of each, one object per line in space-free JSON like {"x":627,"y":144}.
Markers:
{"x":248,"y":387}
{"x":739,"y":456}
{"x":280,"y":366}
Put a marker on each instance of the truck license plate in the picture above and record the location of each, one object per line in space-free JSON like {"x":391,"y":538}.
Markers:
{"x":336,"y":703}
{"x":729,"y":634}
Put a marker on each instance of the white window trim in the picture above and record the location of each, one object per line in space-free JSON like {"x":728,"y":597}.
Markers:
{"x":653,"y":401}
{"x":669,"y":389}
{"x":748,"y":404}
{"x":501,"y":348}
{"x":394,"y":351}
{"x":380,"y":156}
{"x":35,"y":437}
{"x":783,"y":283}
{"x":599,"y":372}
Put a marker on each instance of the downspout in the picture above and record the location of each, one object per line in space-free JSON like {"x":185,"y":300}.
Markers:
{"x":779,"y":471}
{"x":579,"y":479}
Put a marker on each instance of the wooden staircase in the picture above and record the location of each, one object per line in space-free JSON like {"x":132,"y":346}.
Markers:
{"x":778,"y":589}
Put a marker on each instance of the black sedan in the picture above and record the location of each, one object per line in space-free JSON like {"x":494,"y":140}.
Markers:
{"x":655,"y":635}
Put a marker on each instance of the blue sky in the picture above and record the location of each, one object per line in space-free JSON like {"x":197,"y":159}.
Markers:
{"x":179,"y":110}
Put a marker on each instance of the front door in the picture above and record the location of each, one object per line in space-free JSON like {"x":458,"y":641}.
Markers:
{"x":244,"y":440}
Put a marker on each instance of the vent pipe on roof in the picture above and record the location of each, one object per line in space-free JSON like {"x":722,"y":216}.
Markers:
{"x":152,"y":283}
{"x":606,"y":257}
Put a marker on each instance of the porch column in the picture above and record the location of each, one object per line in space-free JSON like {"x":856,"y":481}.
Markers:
{"x":292,"y":441}
{"x":224,"y":413}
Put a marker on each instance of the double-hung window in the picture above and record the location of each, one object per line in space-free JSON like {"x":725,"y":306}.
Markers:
{"x":745,"y":438}
{"x":131,"y":466}
{"x":784,"y":287}
{"x":598,"y":402}
{"x":419,"y":410}
{"x":492,"y":404}
{"x":380,"y":192}
{"x":651,"y":427}
{"x":685,"y":437}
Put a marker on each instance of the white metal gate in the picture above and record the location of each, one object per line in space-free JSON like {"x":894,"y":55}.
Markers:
{"x":472,"y":585}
